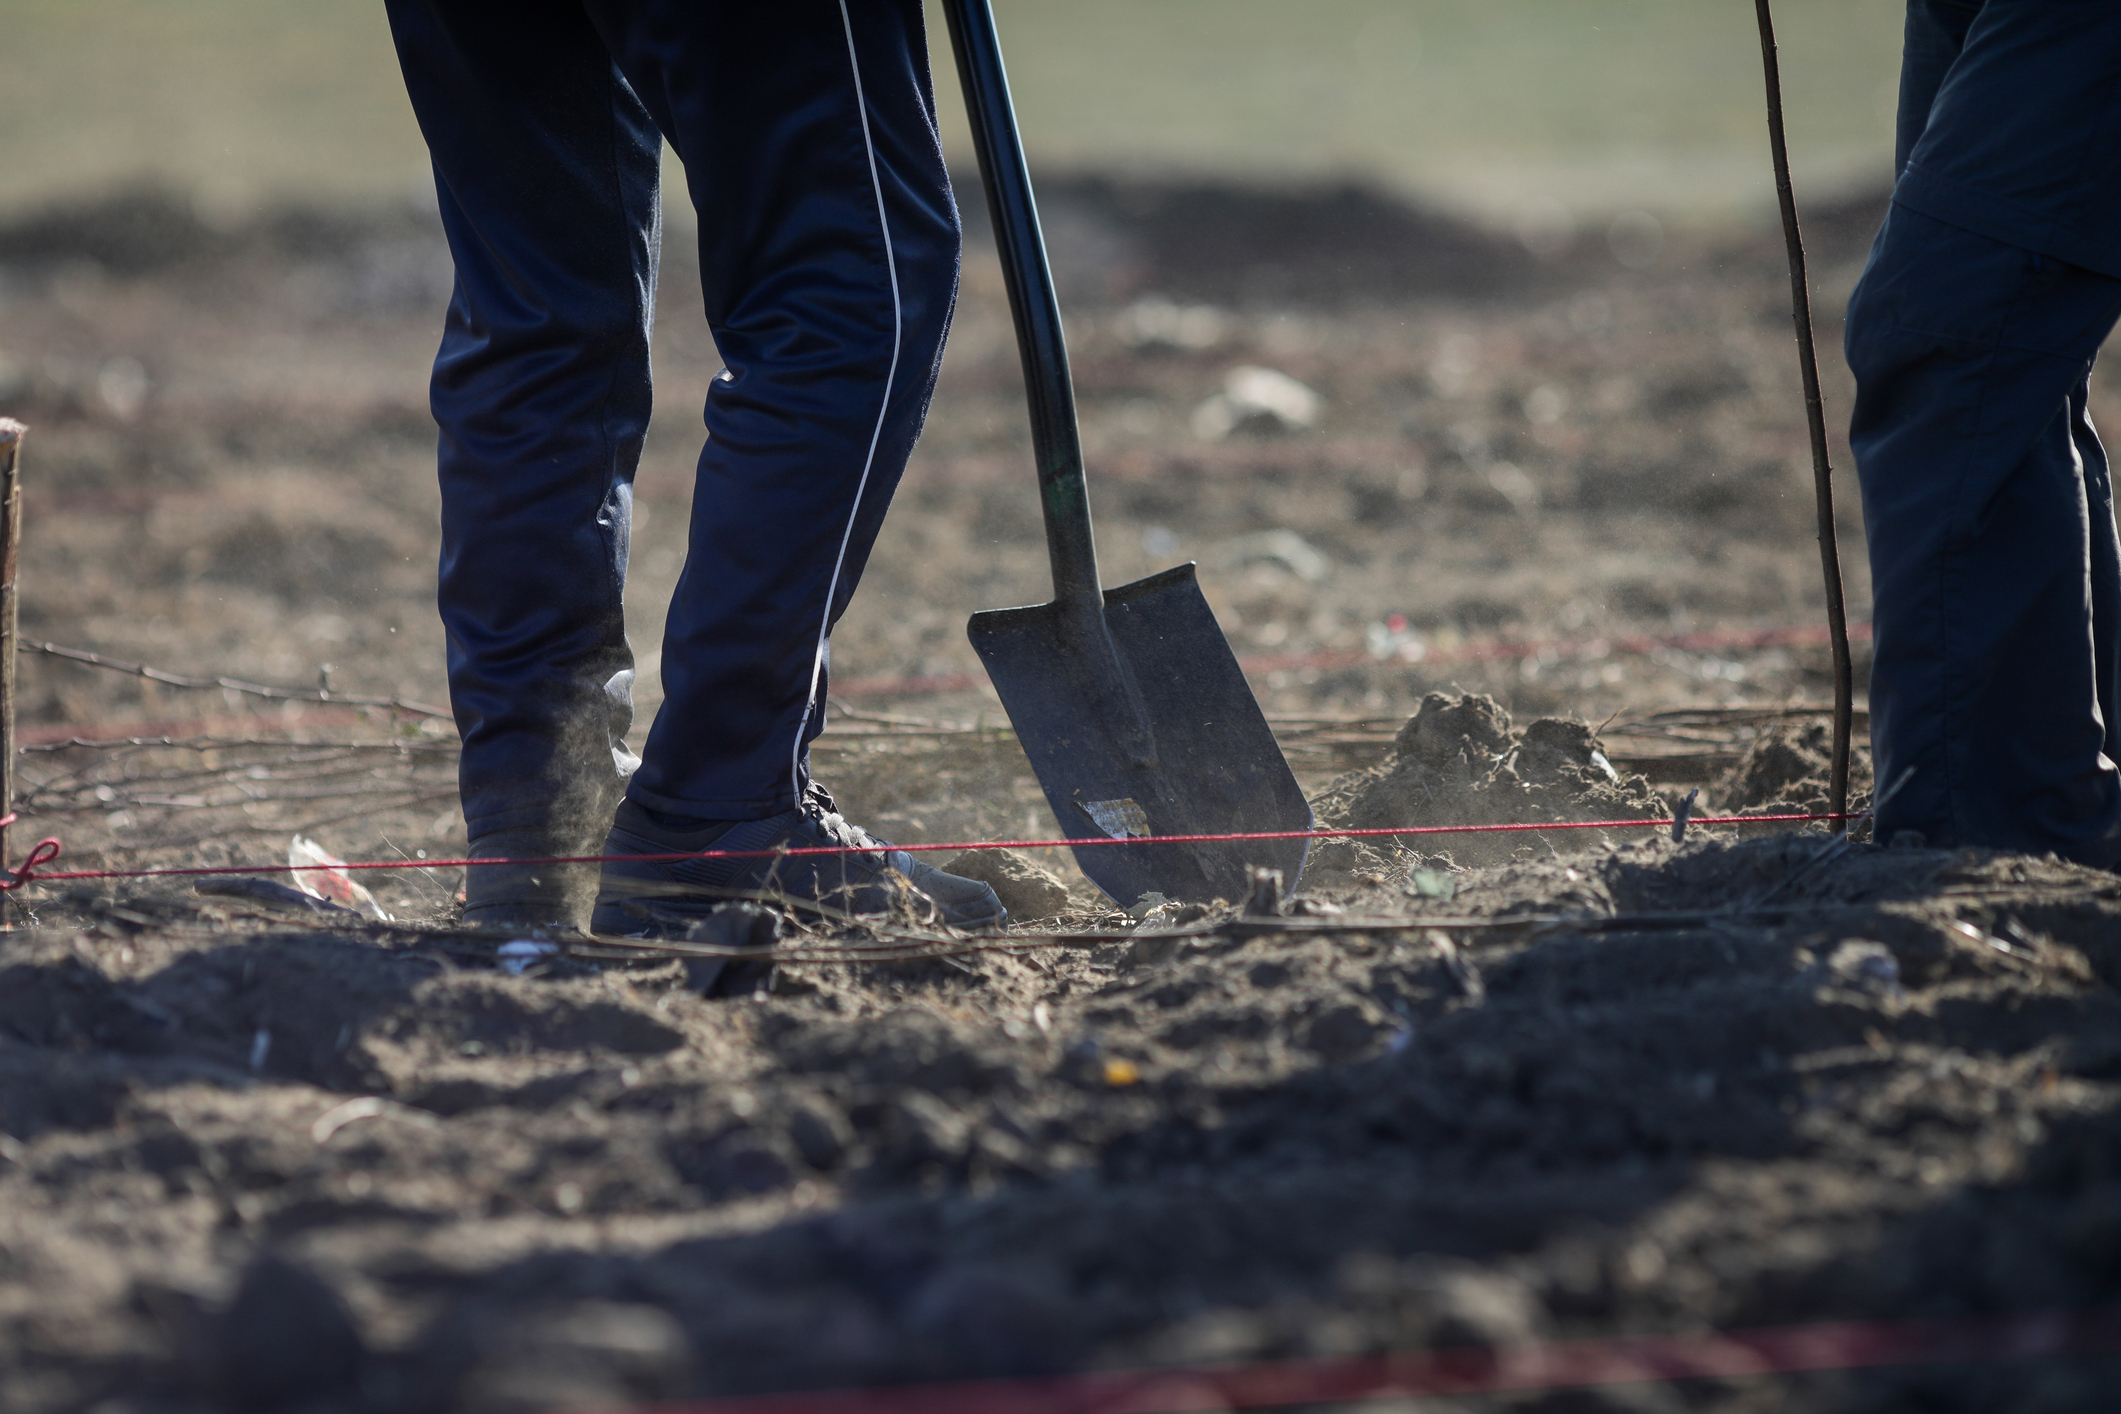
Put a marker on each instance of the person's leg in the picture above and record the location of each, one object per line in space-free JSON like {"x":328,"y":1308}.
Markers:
{"x":1991,"y":539}
{"x":828,"y":258}
{"x":829,"y":254}
{"x":546,"y":168}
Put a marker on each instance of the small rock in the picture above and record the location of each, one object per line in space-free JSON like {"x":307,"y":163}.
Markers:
{"x":1025,"y":889}
{"x":1860,"y":965}
{"x":820,"y":1134}
{"x":1474,"y":1307}
{"x":1155,"y":324}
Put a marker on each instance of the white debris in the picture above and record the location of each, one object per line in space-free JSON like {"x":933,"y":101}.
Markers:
{"x":1147,"y":904}
{"x":1155,"y":323}
{"x":122,"y":387}
{"x":321,"y":875}
{"x":1256,"y":400}
{"x":1545,"y":405}
{"x":1513,"y":484}
{"x":1159,"y":919}
{"x":1858,"y":965}
{"x":516,"y":957}
{"x":1121,"y":819}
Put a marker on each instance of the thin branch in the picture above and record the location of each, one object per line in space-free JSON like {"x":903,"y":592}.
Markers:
{"x":1815,"y":418}
{"x":248,"y":689}
{"x":230,"y":743}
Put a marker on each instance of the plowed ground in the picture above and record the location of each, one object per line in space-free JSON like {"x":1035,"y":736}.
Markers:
{"x":1454,"y":1092}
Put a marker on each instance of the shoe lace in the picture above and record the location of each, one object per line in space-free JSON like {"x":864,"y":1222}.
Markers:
{"x":819,"y":805}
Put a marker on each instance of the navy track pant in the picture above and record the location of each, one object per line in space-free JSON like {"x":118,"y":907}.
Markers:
{"x":1996,"y":573}
{"x":829,"y":249}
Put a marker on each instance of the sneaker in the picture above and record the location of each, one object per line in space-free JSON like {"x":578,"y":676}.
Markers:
{"x":640,"y":897}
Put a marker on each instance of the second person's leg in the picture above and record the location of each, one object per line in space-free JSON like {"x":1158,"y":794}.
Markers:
{"x":1992,"y":541}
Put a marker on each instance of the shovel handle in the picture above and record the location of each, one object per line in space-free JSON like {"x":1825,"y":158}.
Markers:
{"x":1063,"y":495}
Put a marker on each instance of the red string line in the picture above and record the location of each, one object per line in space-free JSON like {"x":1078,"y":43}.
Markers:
{"x":39,"y":855}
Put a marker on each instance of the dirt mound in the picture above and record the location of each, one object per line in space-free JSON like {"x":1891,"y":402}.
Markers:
{"x":1459,"y":761}
{"x":1026,"y":890}
{"x":1332,"y":243}
{"x":1788,"y":770}
{"x":146,"y":230}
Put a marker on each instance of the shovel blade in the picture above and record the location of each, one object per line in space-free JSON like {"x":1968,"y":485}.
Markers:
{"x":1218,"y":769}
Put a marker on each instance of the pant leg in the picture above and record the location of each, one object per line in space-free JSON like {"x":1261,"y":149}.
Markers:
{"x":1990,"y":525}
{"x":829,"y":255}
{"x":546,"y":167}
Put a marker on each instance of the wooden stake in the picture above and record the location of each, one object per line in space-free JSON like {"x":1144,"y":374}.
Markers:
{"x":10,"y":543}
{"x":1815,"y":414}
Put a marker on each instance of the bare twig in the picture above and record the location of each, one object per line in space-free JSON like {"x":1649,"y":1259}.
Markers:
{"x":1815,"y":417}
{"x":229,"y":743}
{"x":248,"y":689}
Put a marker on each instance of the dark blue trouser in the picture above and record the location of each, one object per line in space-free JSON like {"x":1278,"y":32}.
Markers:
{"x":828,"y":255}
{"x":1996,"y":573}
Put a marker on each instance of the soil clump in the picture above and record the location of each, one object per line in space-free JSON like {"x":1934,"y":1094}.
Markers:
{"x":1027,"y":890}
{"x":1788,"y":770}
{"x":1459,"y":761}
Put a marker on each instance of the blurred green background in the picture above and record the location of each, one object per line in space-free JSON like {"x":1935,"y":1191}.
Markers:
{"x":1512,"y":110}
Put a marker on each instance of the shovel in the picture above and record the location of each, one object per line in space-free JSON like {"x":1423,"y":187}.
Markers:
{"x":1129,"y":702}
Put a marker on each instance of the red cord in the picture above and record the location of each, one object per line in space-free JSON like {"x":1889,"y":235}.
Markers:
{"x":40,"y":856}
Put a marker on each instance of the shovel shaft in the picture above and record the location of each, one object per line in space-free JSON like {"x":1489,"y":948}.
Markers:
{"x":1056,"y":442}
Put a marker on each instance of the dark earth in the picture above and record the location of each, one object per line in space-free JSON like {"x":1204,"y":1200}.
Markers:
{"x":1448,"y":1090}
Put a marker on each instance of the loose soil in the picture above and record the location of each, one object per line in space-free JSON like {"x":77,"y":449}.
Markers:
{"x":1447,"y":1091}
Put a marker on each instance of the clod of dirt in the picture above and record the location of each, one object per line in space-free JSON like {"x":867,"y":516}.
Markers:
{"x":1788,"y":770}
{"x":1024,"y":888}
{"x":286,"y":1339}
{"x":1459,"y":761}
